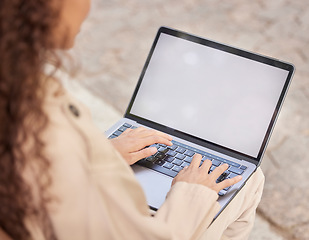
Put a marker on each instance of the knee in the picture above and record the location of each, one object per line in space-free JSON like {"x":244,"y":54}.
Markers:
{"x":258,"y":178}
{"x":255,"y":184}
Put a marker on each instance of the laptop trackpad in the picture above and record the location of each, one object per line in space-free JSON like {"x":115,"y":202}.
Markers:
{"x":155,"y":185}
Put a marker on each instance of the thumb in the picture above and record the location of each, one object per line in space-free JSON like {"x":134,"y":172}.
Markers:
{"x":146,"y":152}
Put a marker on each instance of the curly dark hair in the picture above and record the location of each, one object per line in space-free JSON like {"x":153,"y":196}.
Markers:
{"x":25,"y":30}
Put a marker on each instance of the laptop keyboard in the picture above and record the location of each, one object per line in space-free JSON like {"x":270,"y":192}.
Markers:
{"x":169,"y":160}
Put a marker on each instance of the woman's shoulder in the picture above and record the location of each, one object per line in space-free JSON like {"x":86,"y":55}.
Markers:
{"x":72,"y":127}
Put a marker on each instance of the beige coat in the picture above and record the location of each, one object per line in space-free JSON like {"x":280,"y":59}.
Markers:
{"x":98,"y":195}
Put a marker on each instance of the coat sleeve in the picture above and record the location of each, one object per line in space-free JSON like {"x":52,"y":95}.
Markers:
{"x":98,"y":197}
{"x":189,"y":209}
{"x":186,"y":213}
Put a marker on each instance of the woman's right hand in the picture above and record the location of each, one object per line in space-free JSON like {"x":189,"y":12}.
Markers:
{"x":200,"y":175}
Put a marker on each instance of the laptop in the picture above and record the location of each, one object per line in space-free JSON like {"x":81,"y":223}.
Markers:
{"x":213,"y":99}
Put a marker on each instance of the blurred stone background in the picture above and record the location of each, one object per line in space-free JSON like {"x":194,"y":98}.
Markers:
{"x":114,"y":43}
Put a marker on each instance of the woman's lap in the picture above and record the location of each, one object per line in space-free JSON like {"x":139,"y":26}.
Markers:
{"x":237,"y":219}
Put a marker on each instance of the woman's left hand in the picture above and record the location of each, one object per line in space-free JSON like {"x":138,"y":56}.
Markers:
{"x":132,"y":142}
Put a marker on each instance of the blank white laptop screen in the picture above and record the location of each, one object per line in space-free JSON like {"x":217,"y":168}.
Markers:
{"x":211,"y":94}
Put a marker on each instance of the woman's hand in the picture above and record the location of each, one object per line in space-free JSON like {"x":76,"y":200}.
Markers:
{"x":200,"y":175}
{"x":132,"y":142}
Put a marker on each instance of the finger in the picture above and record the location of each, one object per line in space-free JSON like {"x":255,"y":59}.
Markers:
{"x":228,"y":182}
{"x":146,"y":152}
{"x":163,"y":135}
{"x":182,"y":171}
{"x":147,"y":141}
{"x":140,"y":131}
{"x":206,"y":165}
{"x":195,"y":163}
{"x":158,"y":133}
{"x":149,"y":132}
{"x":128,"y":130}
{"x":219,"y":170}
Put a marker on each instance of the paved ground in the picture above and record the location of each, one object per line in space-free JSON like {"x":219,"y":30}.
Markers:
{"x":116,"y":39}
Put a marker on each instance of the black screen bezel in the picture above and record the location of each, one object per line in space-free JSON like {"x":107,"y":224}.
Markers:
{"x":229,"y":49}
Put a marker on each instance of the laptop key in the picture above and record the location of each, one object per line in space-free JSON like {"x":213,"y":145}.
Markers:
{"x":236,"y":170}
{"x":243,"y":167}
{"x":222,"y":193}
{"x":160,"y":162}
{"x":122,"y":129}
{"x":151,"y":159}
{"x":127,"y":125}
{"x":177,"y":168}
{"x":173,"y":147}
{"x":168,"y":165}
{"x":216,"y":162}
{"x":222,"y":176}
{"x":160,"y":155}
{"x":231,"y":175}
{"x":177,"y":162}
{"x":188,"y":159}
{"x":117,"y":133}
{"x":180,"y":156}
{"x":230,"y":163}
{"x":211,"y":169}
{"x":112,"y":136}
{"x":163,"y":150}
{"x":168,"y":159}
{"x":180,"y":150}
{"x":185,"y":164}
{"x":189,"y":153}
{"x":171,"y":153}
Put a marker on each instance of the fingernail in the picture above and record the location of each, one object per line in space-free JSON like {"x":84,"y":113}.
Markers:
{"x":239,"y":177}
